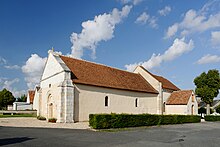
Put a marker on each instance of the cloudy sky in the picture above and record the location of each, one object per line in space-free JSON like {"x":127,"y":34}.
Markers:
{"x":175,"y":39}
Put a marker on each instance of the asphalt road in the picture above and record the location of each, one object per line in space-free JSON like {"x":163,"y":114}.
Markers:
{"x":198,"y":135}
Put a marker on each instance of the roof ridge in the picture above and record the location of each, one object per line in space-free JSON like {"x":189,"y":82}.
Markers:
{"x":98,"y":64}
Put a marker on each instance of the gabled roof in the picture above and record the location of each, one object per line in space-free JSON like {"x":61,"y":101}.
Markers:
{"x":84,"y":72}
{"x":31,"y":94}
{"x":166,"y":84}
{"x":179,"y":97}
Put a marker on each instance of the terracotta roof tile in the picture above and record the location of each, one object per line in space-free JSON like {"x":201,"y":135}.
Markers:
{"x":166,"y":84}
{"x":179,"y":97}
{"x":84,"y":72}
{"x":31,"y":94}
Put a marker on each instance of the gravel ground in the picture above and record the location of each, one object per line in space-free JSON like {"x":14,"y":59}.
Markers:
{"x":33,"y":122}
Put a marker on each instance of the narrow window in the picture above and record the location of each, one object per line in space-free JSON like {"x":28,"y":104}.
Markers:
{"x":106,"y":101}
{"x":49,"y":85}
{"x":136,"y":102}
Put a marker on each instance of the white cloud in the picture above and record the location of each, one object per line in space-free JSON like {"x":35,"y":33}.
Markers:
{"x":153,"y":22}
{"x":215,"y":38}
{"x":134,"y":2}
{"x":197,"y":21}
{"x":7,"y":83}
{"x":145,"y":18}
{"x":165,"y":11}
{"x":100,"y":29}
{"x":178,"y":48}
{"x":171,"y":31}
{"x":33,"y":70}
{"x":208,"y":59}
{"x":12,"y":67}
{"x":142,"y":18}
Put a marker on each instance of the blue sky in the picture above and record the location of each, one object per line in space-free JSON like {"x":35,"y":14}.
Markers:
{"x":175,"y":39}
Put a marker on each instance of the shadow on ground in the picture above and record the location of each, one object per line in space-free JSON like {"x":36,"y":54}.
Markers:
{"x":7,"y":141}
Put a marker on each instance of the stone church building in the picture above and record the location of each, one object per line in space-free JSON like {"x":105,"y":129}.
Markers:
{"x":71,"y":89}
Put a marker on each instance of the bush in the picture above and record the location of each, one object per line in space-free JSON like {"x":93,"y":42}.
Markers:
{"x":212,"y":118}
{"x":52,"y":120}
{"x":106,"y":121}
{"x":41,"y":118}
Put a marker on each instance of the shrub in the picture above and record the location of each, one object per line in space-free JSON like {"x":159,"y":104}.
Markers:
{"x":41,"y":118}
{"x":52,"y":120}
{"x":212,"y":118}
{"x":106,"y":121}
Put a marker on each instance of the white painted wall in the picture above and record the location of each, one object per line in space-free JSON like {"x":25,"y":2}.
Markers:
{"x":36,"y":100}
{"x":22,"y":106}
{"x":176,"y":109}
{"x":91,"y":99}
{"x":155,"y":84}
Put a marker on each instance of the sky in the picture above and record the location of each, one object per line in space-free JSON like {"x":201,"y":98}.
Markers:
{"x":175,"y":39}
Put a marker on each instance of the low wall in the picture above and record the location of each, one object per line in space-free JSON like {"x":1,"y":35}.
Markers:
{"x":18,"y":112}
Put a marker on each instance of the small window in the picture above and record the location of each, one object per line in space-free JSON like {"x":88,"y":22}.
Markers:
{"x":106,"y":101}
{"x":49,"y":85}
{"x":136,"y":102}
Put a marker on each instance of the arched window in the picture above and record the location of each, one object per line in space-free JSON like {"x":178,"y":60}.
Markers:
{"x":136,"y":102}
{"x":106,"y":101}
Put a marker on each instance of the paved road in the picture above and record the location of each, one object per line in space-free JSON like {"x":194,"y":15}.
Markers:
{"x":198,"y":135}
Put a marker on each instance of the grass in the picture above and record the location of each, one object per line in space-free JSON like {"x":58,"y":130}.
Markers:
{"x":17,"y":115}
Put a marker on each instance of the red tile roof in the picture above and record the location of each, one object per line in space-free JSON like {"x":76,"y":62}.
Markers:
{"x":179,"y":97}
{"x":166,"y":84}
{"x":84,"y":72}
{"x":31,"y":94}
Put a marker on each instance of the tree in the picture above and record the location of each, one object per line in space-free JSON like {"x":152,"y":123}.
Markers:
{"x":23,"y":98}
{"x":6,"y":98}
{"x":218,"y":109}
{"x":207,"y":87}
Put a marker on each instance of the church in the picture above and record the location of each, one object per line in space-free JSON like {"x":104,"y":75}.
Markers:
{"x":71,"y":89}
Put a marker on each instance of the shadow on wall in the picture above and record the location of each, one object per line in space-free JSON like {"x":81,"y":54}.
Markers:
{"x":7,"y":141}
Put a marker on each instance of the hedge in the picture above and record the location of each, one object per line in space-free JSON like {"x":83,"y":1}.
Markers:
{"x":212,"y":118}
{"x":106,"y":121}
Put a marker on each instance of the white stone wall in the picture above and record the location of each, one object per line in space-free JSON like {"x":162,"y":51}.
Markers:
{"x":176,"y":109}
{"x":22,"y":106}
{"x":91,"y":99}
{"x":148,"y":77}
{"x":36,"y":100}
{"x":155,"y":84}
{"x":166,"y":95}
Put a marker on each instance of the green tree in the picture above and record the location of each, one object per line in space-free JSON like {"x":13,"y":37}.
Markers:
{"x":218,"y":109}
{"x":23,"y":98}
{"x":207,"y":87}
{"x":6,"y":98}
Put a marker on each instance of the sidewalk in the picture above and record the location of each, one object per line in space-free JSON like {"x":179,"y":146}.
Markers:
{"x":34,"y":122}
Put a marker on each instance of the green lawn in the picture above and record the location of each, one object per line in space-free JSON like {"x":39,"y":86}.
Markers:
{"x":17,"y":115}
